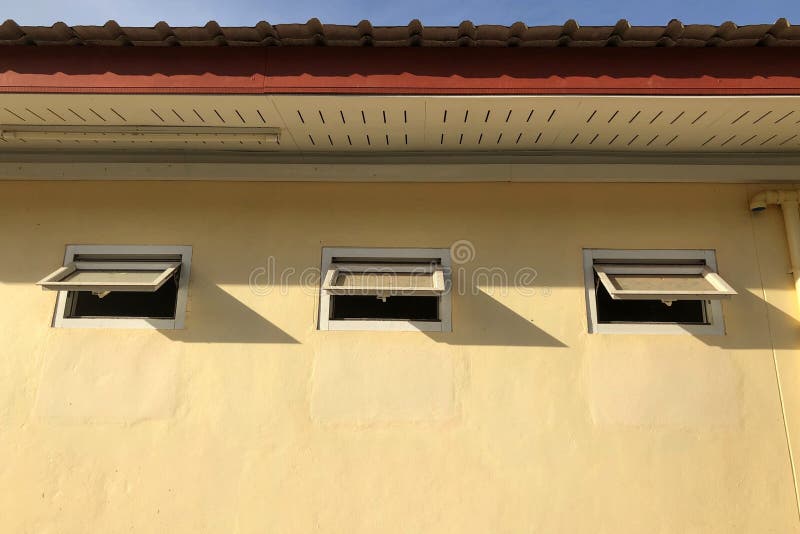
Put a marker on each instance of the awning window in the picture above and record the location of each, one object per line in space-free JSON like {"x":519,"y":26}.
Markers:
{"x":102,"y":277}
{"x":384,"y":279}
{"x":662,"y":282}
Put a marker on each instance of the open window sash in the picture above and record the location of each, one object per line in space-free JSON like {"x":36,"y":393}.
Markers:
{"x":103,"y":277}
{"x":384,"y":279}
{"x":662,"y":282}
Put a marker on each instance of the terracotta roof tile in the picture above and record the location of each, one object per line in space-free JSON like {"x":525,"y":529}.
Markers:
{"x":314,"y":33}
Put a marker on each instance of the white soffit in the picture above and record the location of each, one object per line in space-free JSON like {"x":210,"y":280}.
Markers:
{"x":359,"y":124}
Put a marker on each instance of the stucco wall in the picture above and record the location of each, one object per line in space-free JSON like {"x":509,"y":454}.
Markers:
{"x":518,"y":421}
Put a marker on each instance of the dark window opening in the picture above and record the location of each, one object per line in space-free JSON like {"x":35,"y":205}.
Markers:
{"x":365,"y":307}
{"x":647,"y":311}
{"x":159,"y":304}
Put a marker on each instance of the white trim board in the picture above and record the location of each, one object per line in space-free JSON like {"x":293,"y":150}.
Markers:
{"x":759,"y":169}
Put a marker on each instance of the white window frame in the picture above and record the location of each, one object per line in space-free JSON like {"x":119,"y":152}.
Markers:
{"x":158,"y":253}
{"x":360,"y":254}
{"x":713,"y":308}
{"x":434,"y":270}
{"x":57,"y":280}
{"x":720,"y":288}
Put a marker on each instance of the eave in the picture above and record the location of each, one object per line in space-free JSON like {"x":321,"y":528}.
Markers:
{"x":432,"y":124}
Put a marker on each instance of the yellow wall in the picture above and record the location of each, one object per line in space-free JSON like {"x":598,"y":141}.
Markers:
{"x":518,"y":421}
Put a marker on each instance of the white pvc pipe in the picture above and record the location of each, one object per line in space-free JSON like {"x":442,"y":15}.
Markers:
{"x":788,"y":201}
{"x":791,"y":218}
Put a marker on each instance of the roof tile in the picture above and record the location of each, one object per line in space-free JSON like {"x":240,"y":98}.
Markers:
{"x":315,"y":33}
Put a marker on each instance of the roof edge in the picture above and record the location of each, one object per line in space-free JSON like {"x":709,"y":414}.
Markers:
{"x":414,"y":34}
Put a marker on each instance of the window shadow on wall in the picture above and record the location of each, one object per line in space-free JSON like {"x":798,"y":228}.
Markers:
{"x":215,"y":316}
{"x":743,"y":332}
{"x":481,"y":320}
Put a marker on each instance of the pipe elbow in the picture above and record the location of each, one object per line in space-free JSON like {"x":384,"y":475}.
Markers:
{"x":761,"y":200}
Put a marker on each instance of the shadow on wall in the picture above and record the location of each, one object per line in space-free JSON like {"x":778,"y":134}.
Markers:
{"x":753,"y":323}
{"x":482,"y":320}
{"x":216,"y":316}
{"x":479,"y":320}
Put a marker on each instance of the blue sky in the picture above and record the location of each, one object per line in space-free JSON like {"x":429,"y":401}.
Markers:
{"x":431,"y":12}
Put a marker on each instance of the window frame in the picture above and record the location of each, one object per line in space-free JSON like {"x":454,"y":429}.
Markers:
{"x":56,"y":281}
{"x":436,"y":273}
{"x":160,"y":254}
{"x":607,"y":271}
{"x":372,"y":255}
{"x":713,"y":307}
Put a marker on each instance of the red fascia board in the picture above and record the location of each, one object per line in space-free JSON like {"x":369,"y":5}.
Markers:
{"x":346,"y":70}
{"x":131,"y":70}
